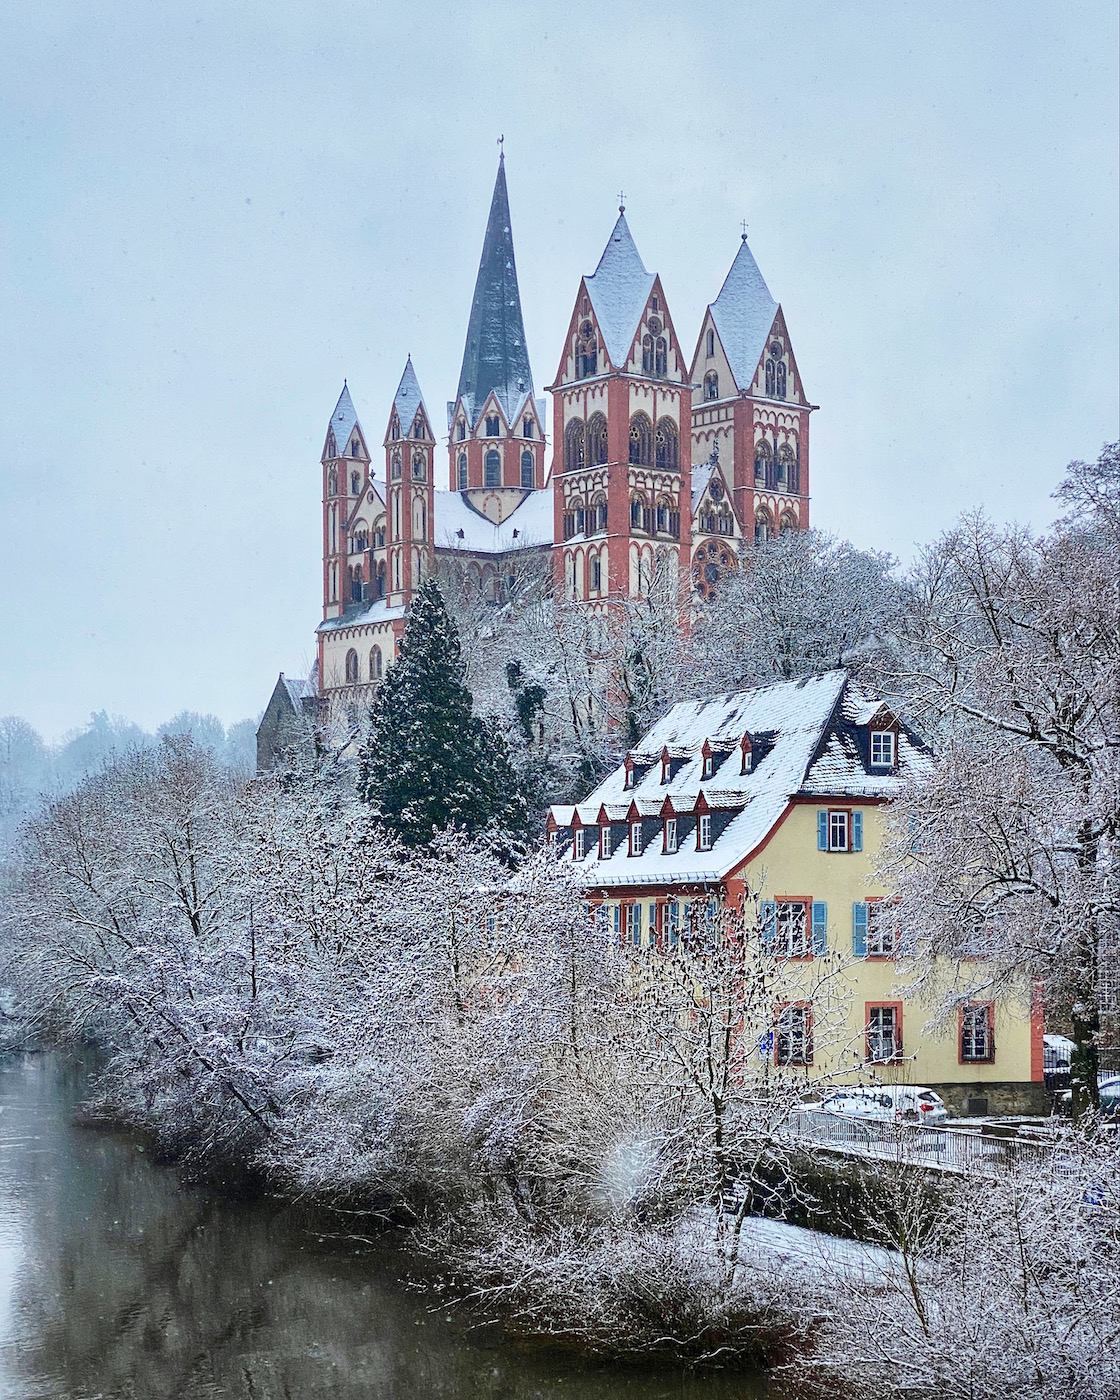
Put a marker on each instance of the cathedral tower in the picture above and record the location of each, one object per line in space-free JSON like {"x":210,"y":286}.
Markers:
{"x":345,"y":463}
{"x":621,"y":441}
{"x":496,"y":425}
{"x":409,"y":491}
{"x":749,"y":404}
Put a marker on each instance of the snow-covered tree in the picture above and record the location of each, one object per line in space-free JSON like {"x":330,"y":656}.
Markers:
{"x":800,"y":602}
{"x":1009,"y":852}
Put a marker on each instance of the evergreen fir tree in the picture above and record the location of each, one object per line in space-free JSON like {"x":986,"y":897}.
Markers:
{"x":428,"y":763}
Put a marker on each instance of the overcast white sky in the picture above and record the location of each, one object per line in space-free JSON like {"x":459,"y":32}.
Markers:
{"x":212,"y":212}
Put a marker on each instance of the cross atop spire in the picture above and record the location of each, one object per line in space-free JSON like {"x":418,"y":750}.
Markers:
{"x":495,"y":356}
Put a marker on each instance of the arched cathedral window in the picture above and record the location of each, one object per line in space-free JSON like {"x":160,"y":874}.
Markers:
{"x":493,"y":426}
{"x":462,"y":471}
{"x":573,"y":446}
{"x":763,"y":461}
{"x":351,"y":666}
{"x":493,"y":468}
{"x":419,"y":467}
{"x":355,"y":451}
{"x":587,"y":351}
{"x":763,"y":527}
{"x":332,"y":482}
{"x":711,"y":344}
{"x":785,"y":468}
{"x":775,"y":372}
{"x":375,"y":664}
{"x":668,"y":445}
{"x":641,"y":441}
{"x":395,"y":466}
{"x":711,"y":385}
{"x":526,"y":470}
{"x":355,"y":483}
{"x":461,"y":430}
{"x":597,"y":440}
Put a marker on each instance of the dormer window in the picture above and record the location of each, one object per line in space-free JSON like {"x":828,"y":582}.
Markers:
{"x":628,"y":780}
{"x":605,"y":841}
{"x":670,"y":836}
{"x":578,"y":843}
{"x":493,"y":427}
{"x":747,"y":750}
{"x":709,"y":762}
{"x":665,"y":766}
{"x":527,"y":428}
{"x":704,"y":832}
{"x":635,"y":838}
{"x":882,"y":748}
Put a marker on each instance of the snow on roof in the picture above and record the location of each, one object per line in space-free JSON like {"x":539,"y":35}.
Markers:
{"x":841,"y":767}
{"x":297,"y":689}
{"x":803,"y":741}
{"x":343,"y":420}
{"x":460,"y":526}
{"x":744,"y":312}
{"x":408,"y":398}
{"x":619,"y":289}
{"x":372,"y":615}
{"x":701,"y":476}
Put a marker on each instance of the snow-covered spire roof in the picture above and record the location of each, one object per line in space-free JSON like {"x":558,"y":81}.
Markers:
{"x":495,"y":356}
{"x":619,"y":289}
{"x":408,"y":398}
{"x":744,"y":312}
{"x":344,"y":419}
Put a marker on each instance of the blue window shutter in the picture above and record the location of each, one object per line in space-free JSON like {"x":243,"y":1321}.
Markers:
{"x":769,"y":912}
{"x":822,"y":831}
{"x":859,"y":930}
{"x":820,"y":928}
{"x":857,"y":831}
{"x":618,"y":922}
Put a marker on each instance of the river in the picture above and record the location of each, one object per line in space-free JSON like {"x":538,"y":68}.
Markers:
{"x":117,"y":1280}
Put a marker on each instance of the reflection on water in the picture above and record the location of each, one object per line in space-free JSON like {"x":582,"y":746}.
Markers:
{"x":118,"y":1281}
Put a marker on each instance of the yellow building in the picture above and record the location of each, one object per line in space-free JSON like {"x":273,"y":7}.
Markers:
{"x":772,"y":800}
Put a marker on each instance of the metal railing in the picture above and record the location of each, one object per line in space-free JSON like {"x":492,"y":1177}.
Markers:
{"x":988,"y":1147}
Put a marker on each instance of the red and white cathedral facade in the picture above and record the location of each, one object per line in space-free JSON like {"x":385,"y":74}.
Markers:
{"x":661,"y":465}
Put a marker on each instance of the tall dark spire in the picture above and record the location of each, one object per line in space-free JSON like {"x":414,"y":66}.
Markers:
{"x":496,"y":356}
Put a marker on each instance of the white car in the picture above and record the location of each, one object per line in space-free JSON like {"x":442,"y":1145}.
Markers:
{"x":898,"y":1103}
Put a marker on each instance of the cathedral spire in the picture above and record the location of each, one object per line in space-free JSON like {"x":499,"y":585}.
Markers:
{"x":496,"y":357}
{"x":743,"y":314}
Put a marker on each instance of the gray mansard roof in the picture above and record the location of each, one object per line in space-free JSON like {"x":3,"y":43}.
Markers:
{"x":808,"y":738}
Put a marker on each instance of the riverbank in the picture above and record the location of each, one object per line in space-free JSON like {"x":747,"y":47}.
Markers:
{"x":118,"y":1278}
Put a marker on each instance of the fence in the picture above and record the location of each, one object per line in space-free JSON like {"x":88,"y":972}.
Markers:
{"x":988,"y":1147}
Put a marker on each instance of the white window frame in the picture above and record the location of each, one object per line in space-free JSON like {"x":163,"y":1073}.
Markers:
{"x":877,"y":1039}
{"x":793,"y":929}
{"x":839,"y":819}
{"x":980,"y":1010}
{"x":673,"y":923}
{"x":634,"y":924}
{"x":635,"y":838}
{"x":704,"y":832}
{"x":794,"y":1024}
{"x":605,"y":841}
{"x":670,"y":836}
{"x":578,"y":843}
{"x":884,"y":738}
{"x":880,"y":932}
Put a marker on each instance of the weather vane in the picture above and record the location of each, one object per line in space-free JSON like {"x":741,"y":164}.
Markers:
{"x":621,"y":202}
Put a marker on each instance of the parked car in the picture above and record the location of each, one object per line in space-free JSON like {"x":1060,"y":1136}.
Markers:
{"x":905,"y":1103}
{"x":1108,"y":1086}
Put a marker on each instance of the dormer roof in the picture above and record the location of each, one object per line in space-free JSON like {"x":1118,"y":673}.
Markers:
{"x":806,"y":742}
{"x":496,"y":357}
{"x":619,"y":289}
{"x":743,"y":314}
{"x":344,"y":420}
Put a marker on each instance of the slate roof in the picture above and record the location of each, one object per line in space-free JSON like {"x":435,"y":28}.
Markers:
{"x":380,"y":611}
{"x":806,"y":741}
{"x":408,"y":398}
{"x":343,"y":420}
{"x":531,"y":523}
{"x":619,"y":289}
{"x":743,"y":314}
{"x":297,"y":689}
{"x":495,"y":356}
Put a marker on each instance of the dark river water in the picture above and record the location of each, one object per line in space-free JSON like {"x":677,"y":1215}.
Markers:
{"x":117,"y":1280}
